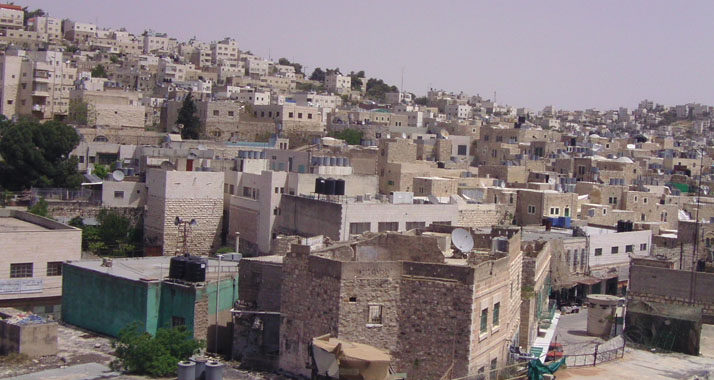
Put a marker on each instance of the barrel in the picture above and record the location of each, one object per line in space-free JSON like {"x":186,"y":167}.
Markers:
{"x":320,"y":185}
{"x":340,"y":187}
{"x":186,"y":370}
{"x":200,"y":366}
{"x":214,"y":370}
{"x":330,"y":186}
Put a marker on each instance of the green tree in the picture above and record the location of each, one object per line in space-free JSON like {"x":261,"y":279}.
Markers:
{"x":99,"y":71}
{"x":187,"y":116}
{"x":78,"y":112}
{"x":37,"y":155}
{"x":114,"y":58}
{"x":101,"y":171}
{"x":32,"y":14}
{"x":351,"y":136}
{"x":41,"y":208}
{"x":115,"y":235}
{"x":318,"y":75}
{"x":422,"y":101}
{"x":376,"y":88}
{"x":356,"y":80}
{"x":139,"y":352}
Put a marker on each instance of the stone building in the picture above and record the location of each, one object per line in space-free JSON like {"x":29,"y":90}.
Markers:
{"x":401,"y":293}
{"x":187,"y":195}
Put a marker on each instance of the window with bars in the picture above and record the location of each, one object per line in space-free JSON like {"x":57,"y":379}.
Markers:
{"x":20,"y":270}
{"x":484,"y":321}
{"x":54,"y":268}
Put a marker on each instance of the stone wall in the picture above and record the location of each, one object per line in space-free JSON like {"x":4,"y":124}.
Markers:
{"x":260,"y":284}
{"x":200,"y":317}
{"x":481,"y":215}
{"x":312,"y":278}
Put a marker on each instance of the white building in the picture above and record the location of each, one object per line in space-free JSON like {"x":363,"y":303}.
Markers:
{"x":338,"y":83}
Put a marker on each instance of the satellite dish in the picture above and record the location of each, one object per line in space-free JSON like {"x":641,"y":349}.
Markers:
{"x":551,"y":181}
{"x":167,"y":165}
{"x":444,"y":134}
{"x":118,"y":175}
{"x":462,"y":240}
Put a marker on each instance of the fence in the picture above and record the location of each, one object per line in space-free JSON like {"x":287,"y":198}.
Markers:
{"x":67,"y":195}
{"x":601,"y":353}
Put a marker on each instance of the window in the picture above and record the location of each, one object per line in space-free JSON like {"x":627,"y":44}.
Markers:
{"x":375,"y":315}
{"x":230,"y":113}
{"x":644,"y":200}
{"x":531,"y":209}
{"x":555,"y":210}
{"x":359,"y":228}
{"x":496,"y":313}
{"x":54,"y":268}
{"x":215,"y":113}
{"x":614,"y":250}
{"x":276,"y":211}
{"x":598,"y":251}
{"x":309,"y":116}
{"x":629,"y":248}
{"x":494,"y":365}
{"x":387,"y":226}
{"x":461,"y":150}
{"x":643,"y":247}
{"x":299,"y":115}
{"x":177,"y":321}
{"x":290,"y":115}
{"x":415,"y":225}
{"x":484,"y":321}
{"x":118,"y":195}
{"x":20,"y":270}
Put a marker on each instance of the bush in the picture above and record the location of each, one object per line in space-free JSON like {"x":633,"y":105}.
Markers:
{"x":141,"y":353}
{"x":41,"y":208}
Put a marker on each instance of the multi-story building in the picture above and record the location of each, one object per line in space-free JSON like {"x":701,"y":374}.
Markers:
{"x":50,"y":27}
{"x":159,"y":43}
{"x":390,"y":291}
{"x":225,"y":50}
{"x":338,"y":83}
{"x":36,"y":83}
{"x":78,"y":31}
{"x":11,"y":16}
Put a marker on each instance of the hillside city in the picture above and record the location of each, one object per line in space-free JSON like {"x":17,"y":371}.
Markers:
{"x":189,"y":208}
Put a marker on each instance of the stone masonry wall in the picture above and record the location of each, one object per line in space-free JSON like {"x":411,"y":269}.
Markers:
{"x":200,"y":318}
{"x":202,"y":238}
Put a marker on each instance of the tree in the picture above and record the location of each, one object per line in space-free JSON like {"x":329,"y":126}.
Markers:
{"x":318,"y":75}
{"x":141,"y":353}
{"x":115,"y":235}
{"x":101,"y":171}
{"x":351,"y":136}
{"x":188,"y":117}
{"x":99,"y":71}
{"x":78,"y":112}
{"x":422,"y":101}
{"x":32,"y":14}
{"x":41,"y":208}
{"x":376,"y":88}
{"x":356,"y":80}
{"x":37,"y":155}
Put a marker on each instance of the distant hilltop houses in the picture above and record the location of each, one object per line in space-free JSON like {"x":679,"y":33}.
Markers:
{"x":444,"y":230}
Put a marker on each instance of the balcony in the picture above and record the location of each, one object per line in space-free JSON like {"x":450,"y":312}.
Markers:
{"x":41,"y":76}
{"x":38,"y":108}
{"x":40,"y":93}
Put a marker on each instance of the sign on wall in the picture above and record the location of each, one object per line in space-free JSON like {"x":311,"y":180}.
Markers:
{"x":21,"y":286}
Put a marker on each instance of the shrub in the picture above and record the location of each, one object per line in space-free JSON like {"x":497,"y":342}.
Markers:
{"x":141,"y":353}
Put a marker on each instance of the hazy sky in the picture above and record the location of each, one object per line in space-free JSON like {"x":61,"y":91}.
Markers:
{"x":571,"y":54}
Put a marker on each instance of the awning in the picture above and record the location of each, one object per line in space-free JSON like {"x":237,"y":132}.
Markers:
{"x":587,"y":280}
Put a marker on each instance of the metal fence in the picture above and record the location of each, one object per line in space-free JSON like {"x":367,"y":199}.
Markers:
{"x":601,"y":353}
{"x":66,"y":195}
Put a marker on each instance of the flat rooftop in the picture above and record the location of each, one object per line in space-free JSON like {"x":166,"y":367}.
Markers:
{"x":12,"y":224}
{"x":150,"y":268}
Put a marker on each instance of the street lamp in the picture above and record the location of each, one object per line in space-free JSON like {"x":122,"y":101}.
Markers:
{"x":186,"y":223}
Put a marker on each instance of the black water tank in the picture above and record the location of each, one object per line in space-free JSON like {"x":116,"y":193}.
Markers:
{"x":440,"y":165}
{"x":196,"y":269}
{"x":177,"y":267}
{"x":320,"y":185}
{"x":620,"y":226}
{"x":340,"y":187}
{"x":330,"y":186}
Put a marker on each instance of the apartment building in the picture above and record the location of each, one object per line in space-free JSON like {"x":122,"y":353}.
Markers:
{"x":50,"y":27}
{"x":109,"y":108}
{"x":78,"y":31}
{"x":223,"y":51}
{"x":338,"y":84}
{"x":257,"y":67}
{"x":159,"y":43}
{"x":36,"y":83}
{"x":11,"y":16}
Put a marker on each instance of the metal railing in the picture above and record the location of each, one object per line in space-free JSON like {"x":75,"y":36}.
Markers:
{"x":66,"y":195}
{"x":596,"y":356}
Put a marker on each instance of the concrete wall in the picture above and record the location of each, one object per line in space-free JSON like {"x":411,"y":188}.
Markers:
{"x":674,"y":287}
{"x":33,"y":340}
